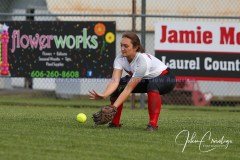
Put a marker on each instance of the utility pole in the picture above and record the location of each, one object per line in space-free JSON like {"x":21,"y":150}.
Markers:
{"x":143,"y":40}
{"x":29,"y":81}
{"x":134,"y":30}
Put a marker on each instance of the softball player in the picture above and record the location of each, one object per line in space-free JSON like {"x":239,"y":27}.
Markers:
{"x":146,"y":74}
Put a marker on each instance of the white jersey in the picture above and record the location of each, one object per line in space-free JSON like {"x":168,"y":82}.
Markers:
{"x":143,"y":65}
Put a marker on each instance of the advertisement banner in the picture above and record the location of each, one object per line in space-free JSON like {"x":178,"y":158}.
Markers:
{"x":200,"y":50}
{"x":54,"y":49}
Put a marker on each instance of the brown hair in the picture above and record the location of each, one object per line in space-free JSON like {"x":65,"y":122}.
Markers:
{"x":135,"y":40}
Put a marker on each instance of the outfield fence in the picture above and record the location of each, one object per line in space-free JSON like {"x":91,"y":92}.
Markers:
{"x":129,"y":15}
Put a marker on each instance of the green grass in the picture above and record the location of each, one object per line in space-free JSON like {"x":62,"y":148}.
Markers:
{"x":39,"y":100}
{"x":30,"y":129}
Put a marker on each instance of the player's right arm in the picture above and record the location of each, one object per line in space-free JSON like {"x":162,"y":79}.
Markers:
{"x":111,"y":87}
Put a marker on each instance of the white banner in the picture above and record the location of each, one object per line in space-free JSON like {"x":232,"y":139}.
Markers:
{"x":197,"y":36}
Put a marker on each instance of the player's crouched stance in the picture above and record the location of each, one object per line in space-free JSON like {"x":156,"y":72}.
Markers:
{"x":147,"y":74}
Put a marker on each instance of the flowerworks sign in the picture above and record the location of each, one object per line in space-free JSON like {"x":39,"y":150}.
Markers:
{"x":200,"y":50}
{"x":60,"y":49}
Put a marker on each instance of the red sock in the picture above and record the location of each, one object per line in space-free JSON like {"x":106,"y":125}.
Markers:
{"x":154,"y":107}
{"x":116,"y":119}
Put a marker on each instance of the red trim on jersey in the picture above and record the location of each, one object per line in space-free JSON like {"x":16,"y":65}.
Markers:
{"x":164,"y":72}
{"x":148,"y":55}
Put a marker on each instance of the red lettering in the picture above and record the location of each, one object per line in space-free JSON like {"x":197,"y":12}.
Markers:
{"x":186,"y":36}
{"x":164,"y":34}
{"x":227,"y":37}
{"x":238,"y":38}
{"x":173,"y":36}
{"x":207,"y":37}
{"x":199,"y":35}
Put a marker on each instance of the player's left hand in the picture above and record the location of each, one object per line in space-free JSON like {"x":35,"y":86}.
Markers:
{"x":105,"y":115}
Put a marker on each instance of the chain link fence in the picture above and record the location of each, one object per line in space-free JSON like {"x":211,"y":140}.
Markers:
{"x":128,"y":15}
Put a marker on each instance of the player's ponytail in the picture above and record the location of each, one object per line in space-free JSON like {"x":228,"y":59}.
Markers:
{"x":135,"y":40}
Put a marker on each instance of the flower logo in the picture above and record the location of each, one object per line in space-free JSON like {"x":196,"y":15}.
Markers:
{"x":110,"y":37}
{"x":100,"y":29}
